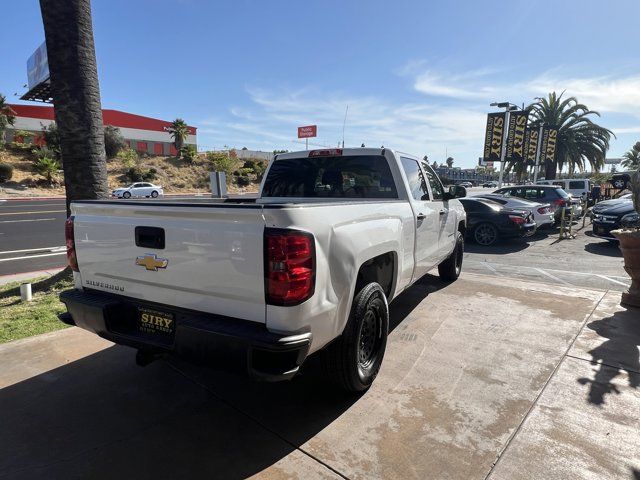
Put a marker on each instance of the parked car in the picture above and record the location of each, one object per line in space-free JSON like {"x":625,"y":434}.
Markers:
{"x":488,"y":221}
{"x":576,"y":187}
{"x":612,"y":217}
{"x":541,"y":212}
{"x":260,"y":284}
{"x":139,"y":189}
{"x":605,"y":204}
{"x":551,"y":194}
{"x":491,"y":184}
{"x":466,"y":184}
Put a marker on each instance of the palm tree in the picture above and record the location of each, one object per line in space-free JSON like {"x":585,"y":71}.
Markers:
{"x":179,"y":132}
{"x":7,"y":117}
{"x":76,"y":97}
{"x":580,"y":140}
{"x":449,"y":162}
{"x":632,"y":158}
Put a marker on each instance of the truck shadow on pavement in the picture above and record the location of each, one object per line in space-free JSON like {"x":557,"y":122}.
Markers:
{"x":104,"y":417}
{"x":618,"y":353}
{"x":501,"y":247}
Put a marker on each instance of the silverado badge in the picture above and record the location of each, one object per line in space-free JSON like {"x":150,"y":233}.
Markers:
{"x":151,"y":262}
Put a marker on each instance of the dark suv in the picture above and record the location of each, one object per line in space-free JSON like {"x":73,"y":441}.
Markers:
{"x":552,"y":194}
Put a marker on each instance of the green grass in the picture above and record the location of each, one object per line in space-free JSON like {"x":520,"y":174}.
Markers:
{"x":24,"y":319}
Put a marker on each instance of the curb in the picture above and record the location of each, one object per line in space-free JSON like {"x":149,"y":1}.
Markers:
{"x":26,"y":199}
{"x":16,"y":277}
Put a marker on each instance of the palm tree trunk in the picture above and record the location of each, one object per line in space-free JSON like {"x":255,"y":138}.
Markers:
{"x":76,"y":97}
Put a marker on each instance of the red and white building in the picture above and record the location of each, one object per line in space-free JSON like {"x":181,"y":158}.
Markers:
{"x":144,"y":134}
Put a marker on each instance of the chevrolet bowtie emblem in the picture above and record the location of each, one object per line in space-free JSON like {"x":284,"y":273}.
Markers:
{"x":151,"y":262}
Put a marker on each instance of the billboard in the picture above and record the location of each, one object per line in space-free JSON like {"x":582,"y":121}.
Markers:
{"x":308,"y":131}
{"x":493,"y":136}
{"x":516,"y":136}
{"x":38,"y":67}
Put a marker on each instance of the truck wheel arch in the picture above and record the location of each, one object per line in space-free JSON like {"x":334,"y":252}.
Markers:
{"x":381,"y":269}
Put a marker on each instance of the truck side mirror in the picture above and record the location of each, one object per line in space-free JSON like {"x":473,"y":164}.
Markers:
{"x":456,"y":191}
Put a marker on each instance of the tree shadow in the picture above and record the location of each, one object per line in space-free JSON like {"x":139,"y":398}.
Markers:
{"x":609,"y":249}
{"x":104,"y":417}
{"x":618,"y":353}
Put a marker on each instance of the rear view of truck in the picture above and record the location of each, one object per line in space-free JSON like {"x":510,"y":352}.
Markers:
{"x":188,"y":278}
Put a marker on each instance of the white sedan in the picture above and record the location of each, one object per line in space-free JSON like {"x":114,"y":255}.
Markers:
{"x":542,"y":213}
{"x":140,"y":189}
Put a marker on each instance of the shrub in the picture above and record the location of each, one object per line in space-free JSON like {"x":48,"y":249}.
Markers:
{"x":47,"y":167}
{"x":188,"y":153}
{"x":243,"y":181}
{"x":44,"y":152}
{"x":258,"y":167}
{"x":221,"y":162}
{"x":139,"y":174}
{"x":129,"y":159}
{"x":113,"y":141}
{"x":52,"y":138}
{"x":6,"y":172}
{"x":21,"y":146}
{"x":22,"y":136}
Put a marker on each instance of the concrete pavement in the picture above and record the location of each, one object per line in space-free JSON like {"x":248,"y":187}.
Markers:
{"x":486,"y":371}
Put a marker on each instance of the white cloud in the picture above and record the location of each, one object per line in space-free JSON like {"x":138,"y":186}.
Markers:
{"x":419,"y":128}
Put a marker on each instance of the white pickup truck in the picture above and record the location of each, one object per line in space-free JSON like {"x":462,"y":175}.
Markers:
{"x":308,"y":266}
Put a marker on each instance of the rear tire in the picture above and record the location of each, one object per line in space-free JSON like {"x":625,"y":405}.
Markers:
{"x":485,"y":234}
{"x":450,"y":269}
{"x":154,"y":194}
{"x":353,"y":360}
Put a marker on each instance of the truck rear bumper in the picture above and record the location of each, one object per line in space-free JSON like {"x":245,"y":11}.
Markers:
{"x":221,"y":342}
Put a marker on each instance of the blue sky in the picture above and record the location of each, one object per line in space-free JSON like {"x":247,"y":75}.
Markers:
{"x":417,"y":75}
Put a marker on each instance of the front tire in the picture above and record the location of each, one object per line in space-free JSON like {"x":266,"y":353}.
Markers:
{"x":353,"y":360}
{"x":126,"y":195}
{"x":485,"y":234}
{"x":450,"y":269}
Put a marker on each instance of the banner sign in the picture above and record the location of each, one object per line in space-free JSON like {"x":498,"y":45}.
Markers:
{"x":531,"y":140}
{"x":548,"y":148}
{"x":493,"y":136}
{"x":308,"y":131}
{"x":515,"y":136}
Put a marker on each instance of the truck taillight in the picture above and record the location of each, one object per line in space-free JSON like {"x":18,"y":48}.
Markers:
{"x":71,"y":244}
{"x":289,"y":266}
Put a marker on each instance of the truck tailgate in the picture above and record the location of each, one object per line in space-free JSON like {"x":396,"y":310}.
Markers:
{"x":212,"y":260}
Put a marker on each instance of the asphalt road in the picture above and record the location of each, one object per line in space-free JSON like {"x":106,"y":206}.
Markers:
{"x":30,"y":233}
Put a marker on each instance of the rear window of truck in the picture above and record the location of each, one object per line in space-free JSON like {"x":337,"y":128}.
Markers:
{"x":353,"y":176}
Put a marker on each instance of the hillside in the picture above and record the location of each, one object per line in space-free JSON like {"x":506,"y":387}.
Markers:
{"x":174,"y":174}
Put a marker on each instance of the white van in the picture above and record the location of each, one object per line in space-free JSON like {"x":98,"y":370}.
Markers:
{"x":577,"y":187}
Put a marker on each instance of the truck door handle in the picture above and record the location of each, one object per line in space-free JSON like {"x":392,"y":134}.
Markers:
{"x":441,"y":212}
{"x":421,"y":216}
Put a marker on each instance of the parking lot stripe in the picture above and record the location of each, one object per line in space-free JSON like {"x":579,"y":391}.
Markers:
{"x":553,"y":277}
{"x":612,"y":280}
{"x":43,"y":249}
{"x":486,"y":264}
{"x":30,"y":220}
{"x":32,"y":256}
{"x":32,"y":213}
